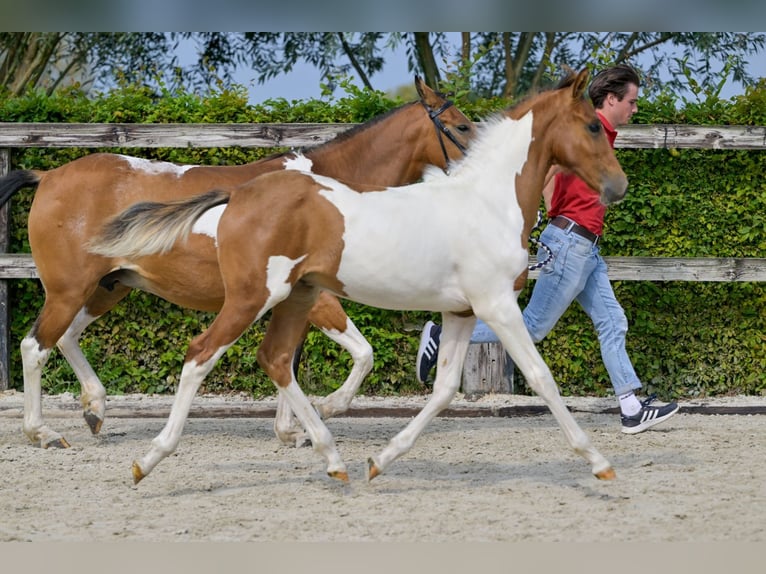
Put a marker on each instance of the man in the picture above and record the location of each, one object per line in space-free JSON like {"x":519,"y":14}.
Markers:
{"x":577,"y":271}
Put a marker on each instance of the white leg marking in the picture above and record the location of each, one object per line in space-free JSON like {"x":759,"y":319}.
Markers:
{"x":167,"y":441}
{"x":362,"y":354}
{"x":320,"y":435}
{"x":510,"y":329}
{"x":287,"y":429}
{"x":93,"y":394}
{"x":456,"y":334}
{"x":33,"y":360}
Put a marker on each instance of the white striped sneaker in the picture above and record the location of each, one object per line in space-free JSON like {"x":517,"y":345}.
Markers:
{"x":428,"y":350}
{"x":648,"y":416}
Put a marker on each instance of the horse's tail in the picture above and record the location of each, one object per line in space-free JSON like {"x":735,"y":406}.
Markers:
{"x":150,"y":228}
{"x":15,"y":180}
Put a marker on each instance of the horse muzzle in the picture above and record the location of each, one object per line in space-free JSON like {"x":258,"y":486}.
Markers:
{"x":614,"y":190}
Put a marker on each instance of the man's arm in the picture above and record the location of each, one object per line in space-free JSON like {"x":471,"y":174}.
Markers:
{"x":549,"y":186}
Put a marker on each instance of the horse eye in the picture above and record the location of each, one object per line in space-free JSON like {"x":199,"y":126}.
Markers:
{"x":463,"y":128}
{"x":594,"y":127}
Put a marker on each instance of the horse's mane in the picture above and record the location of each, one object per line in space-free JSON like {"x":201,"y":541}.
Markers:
{"x":343,"y":136}
{"x":353,"y":131}
{"x":564,"y":82}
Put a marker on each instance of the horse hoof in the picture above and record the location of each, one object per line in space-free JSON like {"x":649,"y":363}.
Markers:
{"x":372,"y":469}
{"x":138,"y":474}
{"x":607,"y":474}
{"x":56,"y":443}
{"x":341,"y":475}
{"x":94,"y":422}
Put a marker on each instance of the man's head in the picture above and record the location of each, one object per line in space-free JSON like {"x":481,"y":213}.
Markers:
{"x":614,"y":93}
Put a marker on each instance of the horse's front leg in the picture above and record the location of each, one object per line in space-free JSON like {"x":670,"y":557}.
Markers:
{"x":329,"y":316}
{"x":455,"y":336}
{"x":508,"y":325}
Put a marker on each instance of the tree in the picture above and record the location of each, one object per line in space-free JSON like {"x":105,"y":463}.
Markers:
{"x":482,"y":64}
{"x":514,"y":63}
{"x":48,"y":60}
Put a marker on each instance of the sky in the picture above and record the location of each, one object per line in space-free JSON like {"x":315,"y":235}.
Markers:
{"x":303,"y":82}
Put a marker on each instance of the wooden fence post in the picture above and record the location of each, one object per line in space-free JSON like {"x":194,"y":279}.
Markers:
{"x":487,"y":369}
{"x":5,"y":377}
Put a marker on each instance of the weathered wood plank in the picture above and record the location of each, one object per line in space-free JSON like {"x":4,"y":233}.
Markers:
{"x":687,"y":136}
{"x":17,"y":266}
{"x":638,"y":136}
{"x":42,"y":135}
{"x":726,"y":269}
{"x":716,"y":269}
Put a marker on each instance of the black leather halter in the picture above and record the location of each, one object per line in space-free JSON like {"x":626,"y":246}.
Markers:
{"x":442,"y":129}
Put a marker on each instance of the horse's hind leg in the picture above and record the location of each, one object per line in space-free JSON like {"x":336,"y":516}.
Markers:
{"x":35,"y":351}
{"x":328,"y":315}
{"x":204,"y":351}
{"x":92,"y":394}
{"x":287,"y":324}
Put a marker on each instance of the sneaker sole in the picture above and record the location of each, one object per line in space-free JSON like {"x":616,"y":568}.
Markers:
{"x":648,"y":424}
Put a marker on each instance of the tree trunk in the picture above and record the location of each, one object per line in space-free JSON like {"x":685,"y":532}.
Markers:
{"x":426,"y":61}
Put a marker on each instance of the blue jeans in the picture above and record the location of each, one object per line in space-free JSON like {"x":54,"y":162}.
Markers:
{"x":579,"y":273}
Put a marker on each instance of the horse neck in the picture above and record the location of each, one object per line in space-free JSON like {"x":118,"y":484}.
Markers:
{"x":388,"y":152}
{"x":530,"y":183}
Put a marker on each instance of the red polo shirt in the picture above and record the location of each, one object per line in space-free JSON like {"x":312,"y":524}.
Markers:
{"x":573,"y":199}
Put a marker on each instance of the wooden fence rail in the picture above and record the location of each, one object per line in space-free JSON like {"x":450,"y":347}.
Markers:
{"x":480,"y":369}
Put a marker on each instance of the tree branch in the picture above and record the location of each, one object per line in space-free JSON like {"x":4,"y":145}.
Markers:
{"x":354,"y":62}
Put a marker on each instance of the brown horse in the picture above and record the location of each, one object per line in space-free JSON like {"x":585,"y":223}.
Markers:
{"x":451,"y":244}
{"x":73,"y":201}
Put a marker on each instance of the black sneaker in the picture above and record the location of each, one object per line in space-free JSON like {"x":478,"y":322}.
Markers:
{"x":648,"y":416}
{"x":428,"y":350}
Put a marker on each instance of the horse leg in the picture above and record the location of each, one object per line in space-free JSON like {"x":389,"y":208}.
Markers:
{"x":328,"y":315}
{"x":33,"y":359}
{"x":55,"y":318}
{"x":204,"y":351}
{"x":516,"y":339}
{"x":92,"y":393}
{"x":286,"y":327}
{"x":286,"y":426}
{"x":455,"y":336}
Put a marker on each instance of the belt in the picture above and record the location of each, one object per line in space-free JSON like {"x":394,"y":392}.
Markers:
{"x":568,"y":225}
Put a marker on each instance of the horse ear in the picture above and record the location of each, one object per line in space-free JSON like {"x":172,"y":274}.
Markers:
{"x":421,"y":87}
{"x":580,"y":84}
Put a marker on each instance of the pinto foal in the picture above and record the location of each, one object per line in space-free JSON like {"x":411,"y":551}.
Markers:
{"x":451,"y":244}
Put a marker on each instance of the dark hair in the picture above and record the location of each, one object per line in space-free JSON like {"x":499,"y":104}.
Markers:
{"x":612,"y":80}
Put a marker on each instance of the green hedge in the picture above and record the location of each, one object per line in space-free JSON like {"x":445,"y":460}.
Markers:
{"x":686,"y":339}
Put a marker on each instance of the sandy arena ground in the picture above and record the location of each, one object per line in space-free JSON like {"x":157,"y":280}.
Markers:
{"x":698,"y":477}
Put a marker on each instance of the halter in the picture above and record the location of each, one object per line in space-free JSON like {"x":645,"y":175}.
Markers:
{"x":442,"y":129}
